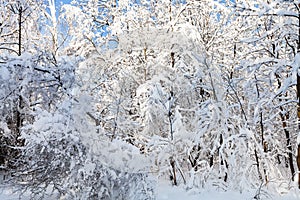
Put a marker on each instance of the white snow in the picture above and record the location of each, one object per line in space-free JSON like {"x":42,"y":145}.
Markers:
{"x":297,"y":60}
{"x":7,"y":194}
{"x":165,"y":191}
{"x":10,"y":193}
{"x":4,"y":73}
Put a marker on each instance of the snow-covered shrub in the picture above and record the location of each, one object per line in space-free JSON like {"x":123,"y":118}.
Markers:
{"x":27,"y":83}
{"x":94,"y":181}
{"x":57,"y":157}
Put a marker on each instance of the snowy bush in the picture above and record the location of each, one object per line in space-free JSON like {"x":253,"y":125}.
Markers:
{"x":55,"y":158}
{"x":28,"y":83}
{"x":98,"y":182}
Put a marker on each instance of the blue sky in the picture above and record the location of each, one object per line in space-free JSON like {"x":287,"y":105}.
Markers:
{"x":64,"y":1}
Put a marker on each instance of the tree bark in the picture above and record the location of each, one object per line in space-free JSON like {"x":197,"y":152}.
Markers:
{"x":284,"y":118}
{"x":298,"y":95}
{"x":298,"y":115}
{"x":298,"y":163}
{"x":173,"y":173}
{"x":20,"y":10}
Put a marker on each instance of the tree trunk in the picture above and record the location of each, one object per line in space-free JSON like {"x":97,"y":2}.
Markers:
{"x":298,"y":95}
{"x":173,"y":172}
{"x":263,"y":142}
{"x":20,"y":10}
{"x":298,"y":115}
{"x":298,"y":163}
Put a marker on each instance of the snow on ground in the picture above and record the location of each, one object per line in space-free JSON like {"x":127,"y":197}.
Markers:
{"x":7,"y":193}
{"x":179,"y":194}
{"x":10,"y":193}
{"x":167,"y":192}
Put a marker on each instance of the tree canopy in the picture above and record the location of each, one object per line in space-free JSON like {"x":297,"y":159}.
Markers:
{"x":99,"y":97}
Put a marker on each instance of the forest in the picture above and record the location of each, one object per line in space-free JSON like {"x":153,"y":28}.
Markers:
{"x":103,"y":99}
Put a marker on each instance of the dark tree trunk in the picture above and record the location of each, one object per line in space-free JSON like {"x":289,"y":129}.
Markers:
{"x":20,"y":10}
{"x":298,"y":96}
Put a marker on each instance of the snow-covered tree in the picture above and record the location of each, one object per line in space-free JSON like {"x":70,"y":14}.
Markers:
{"x":201,"y":92}
{"x":19,"y":30}
{"x":264,"y":80}
{"x":29,"y":82}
